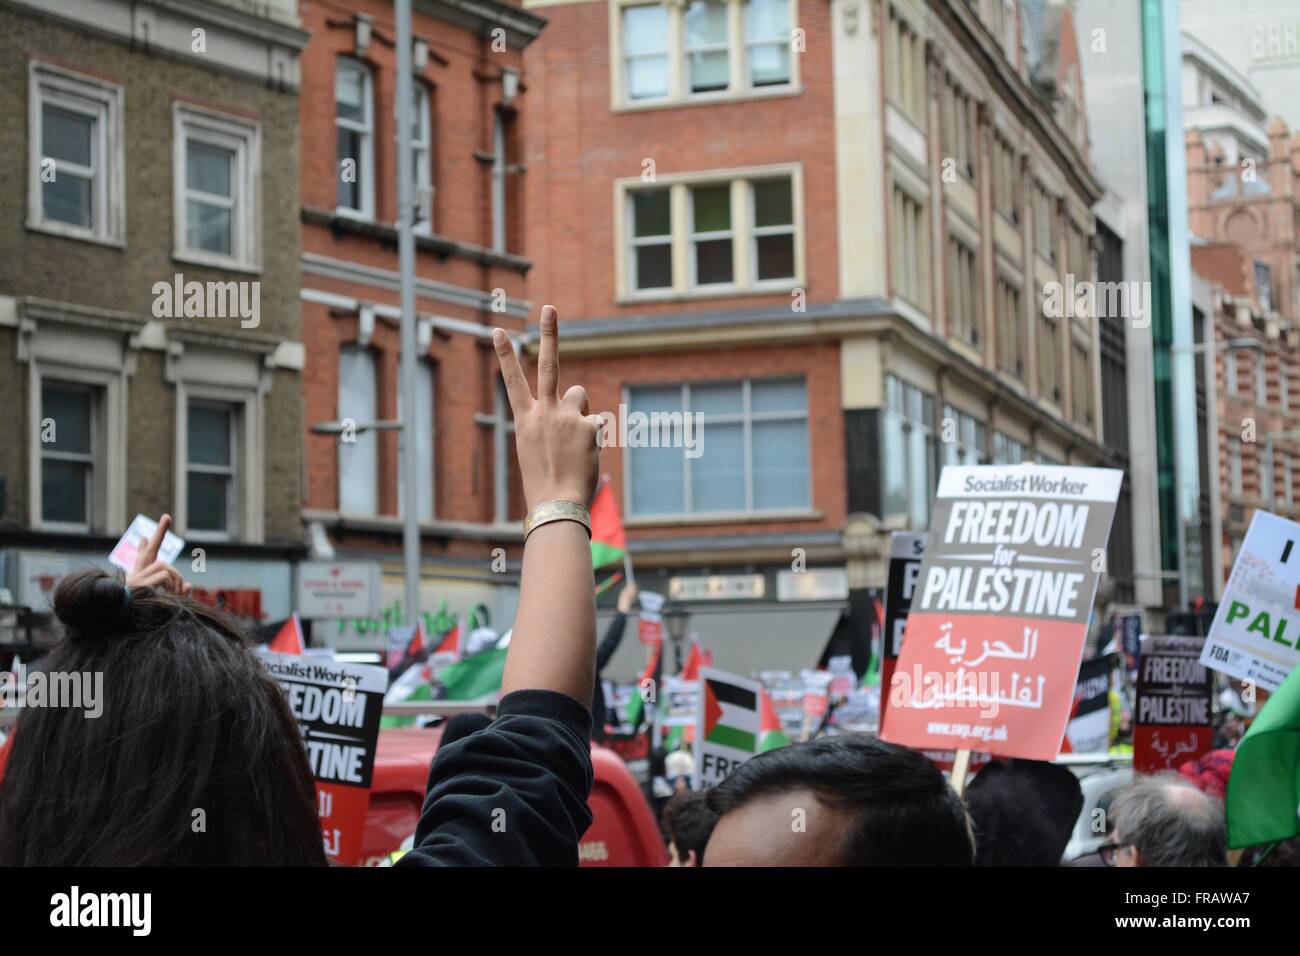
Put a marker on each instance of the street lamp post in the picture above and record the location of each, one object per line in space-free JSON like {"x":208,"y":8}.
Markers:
{"x":406,"y":209}
{"x":675,"y":617}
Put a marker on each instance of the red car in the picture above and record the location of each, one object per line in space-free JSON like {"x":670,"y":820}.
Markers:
{"x":623,"y":830}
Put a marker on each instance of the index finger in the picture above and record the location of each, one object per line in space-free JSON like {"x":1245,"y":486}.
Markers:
{"x":151,"y":550}
{"x":512,"y":374}
{"x":548,"y":357}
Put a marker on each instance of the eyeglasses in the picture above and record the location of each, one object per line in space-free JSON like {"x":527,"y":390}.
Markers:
{"x":1107,"y":851}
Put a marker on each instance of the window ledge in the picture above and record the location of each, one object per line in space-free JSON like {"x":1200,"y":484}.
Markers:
{"x":211,"y":537}
{"x":785,"y":287}
{"x":341,"y":222}
{"x":723,"y":517}
{"x":213,"y":261}
{"x":64,"y":231}
{"x":480,"y":531}
{"x":707,"y":99}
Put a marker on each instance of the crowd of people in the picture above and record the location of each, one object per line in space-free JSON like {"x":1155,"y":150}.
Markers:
{"x":194,"y":721}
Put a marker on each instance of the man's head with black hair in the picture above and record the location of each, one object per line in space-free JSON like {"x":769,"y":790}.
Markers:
{"x":850,"y":800}
{"x":687,"y":823}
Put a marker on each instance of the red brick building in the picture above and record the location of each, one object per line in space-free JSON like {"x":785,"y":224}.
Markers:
{"x":470,"y":276}
{"x":829,"y":229}
{"x":1244,"y":214}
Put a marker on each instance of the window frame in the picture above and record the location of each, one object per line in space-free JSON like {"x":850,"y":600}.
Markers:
{"x":423,"y":159}
{"x":429,"y":492}
{"x":197,"y":374}
{"x":694,"y":237}
{"x":231,"y":472}
{"x":374,"y":437}
{"x":498,"y":172}
{"x":959,"y":126}
{"x":1014,"y":292}
{"x":905,"y":87}
{"x":1288,"y":480}
{"x":635,"y":242}
{"x":1044,"y":223}
{"x":961,"y":449}
{"x":681,"y":225}
{"x":959,"y":250}
{"x":103,"y":101}
{"x":366,"y":129}
{"x":1001,"y":446}
{"x":243,"y":137}
{"x":625,"y":58}
{"x":726,"y":46}
{"x":756,"y":232}
{"x":909,"y":231}
{"x":746,"y":418}
{"x":96,"y":490}
{"x":910,"y":426}
{"x":1236,"y":470}
{"x":739,"y":86}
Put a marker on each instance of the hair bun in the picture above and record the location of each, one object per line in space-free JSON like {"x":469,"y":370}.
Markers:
{"x":91,"y":602}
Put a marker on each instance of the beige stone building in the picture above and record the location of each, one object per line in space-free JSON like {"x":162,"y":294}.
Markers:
{"x":150,"y":354}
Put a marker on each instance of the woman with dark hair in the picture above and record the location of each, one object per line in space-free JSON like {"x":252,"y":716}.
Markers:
{"x":196,"y":757}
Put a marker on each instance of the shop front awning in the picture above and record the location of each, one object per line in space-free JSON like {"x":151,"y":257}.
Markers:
{"x":744,"y":638}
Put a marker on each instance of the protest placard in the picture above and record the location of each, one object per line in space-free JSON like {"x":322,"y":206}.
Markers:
{"x":1255,"y":635}
{"x":1088,"y":731}
{"x":1172,"y":724}
{"x":338,"y":706}
{"x":997,"y":625}
{"x":906,"y":548}
{"x":727,"y":725}
{"x":650,"y":624}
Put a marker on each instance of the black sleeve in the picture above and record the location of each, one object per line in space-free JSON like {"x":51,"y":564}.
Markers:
{"x":512,"y":794}
{"x":608,"y":645}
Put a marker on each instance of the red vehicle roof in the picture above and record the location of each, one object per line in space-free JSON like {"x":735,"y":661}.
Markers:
{"x":623,"y":831}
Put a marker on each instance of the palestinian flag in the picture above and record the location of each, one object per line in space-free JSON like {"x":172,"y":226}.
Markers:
{"x":679,"y":735}
{"x":405,"y":644}
{"x":730,"y":715}
{"x":770,"y":732}
{"x":1264,"y":788}
{"x":450,"y":643}
{"x":474,"y":677}
{"x":690,"y":671}
{"x":415,"y":684}
{"x":608,"y":583}
{"x":636,"y":707}
{"x":289,"y":640}
{"x":696,"y":659}
{"x":608,"y":541}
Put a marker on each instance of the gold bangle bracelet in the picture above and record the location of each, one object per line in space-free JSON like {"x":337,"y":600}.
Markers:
{"x":557,"y":510}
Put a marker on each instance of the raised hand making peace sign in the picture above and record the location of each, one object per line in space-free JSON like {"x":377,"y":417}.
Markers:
{"x":555,"y":437}
{"x":553,"y":646}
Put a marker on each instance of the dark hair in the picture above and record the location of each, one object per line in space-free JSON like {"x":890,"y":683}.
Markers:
{"x":688,"y":823}
{"x":1170,"y":822}
{"x":1024,"y":812}
{"x":906,"y":814}
{"x":191,"y":721}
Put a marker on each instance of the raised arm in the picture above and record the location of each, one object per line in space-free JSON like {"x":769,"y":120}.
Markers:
{"x":554,"y":641}
{"x":516,"y":792}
